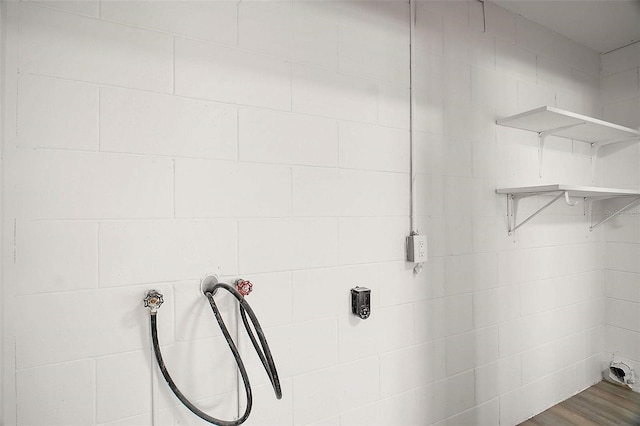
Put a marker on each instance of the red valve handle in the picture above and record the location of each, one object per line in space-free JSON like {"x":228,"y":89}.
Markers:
{"x":244,"y":287}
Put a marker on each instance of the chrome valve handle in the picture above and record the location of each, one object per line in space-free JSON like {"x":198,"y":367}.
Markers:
{"x":153,"y":300}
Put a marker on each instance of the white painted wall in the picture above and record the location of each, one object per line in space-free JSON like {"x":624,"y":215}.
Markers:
{"x":149,"y":143}
{"x":621,"y":104}
{"x":534,"y":333}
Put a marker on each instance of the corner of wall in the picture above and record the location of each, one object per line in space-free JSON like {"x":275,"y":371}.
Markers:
{"x":620,"y":103}
{"x":8,"y":55}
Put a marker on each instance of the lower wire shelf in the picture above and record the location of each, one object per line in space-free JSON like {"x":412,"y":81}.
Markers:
{"x":568,"y":192}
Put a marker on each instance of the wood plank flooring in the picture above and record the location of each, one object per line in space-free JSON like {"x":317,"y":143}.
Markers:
{"x":602,"y":404}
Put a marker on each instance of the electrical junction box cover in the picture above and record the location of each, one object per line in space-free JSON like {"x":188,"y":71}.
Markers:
{"x":417,"y":248}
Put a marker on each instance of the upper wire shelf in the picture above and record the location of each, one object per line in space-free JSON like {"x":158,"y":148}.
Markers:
{"x":554,"y":121}
{"x":547,"y":121}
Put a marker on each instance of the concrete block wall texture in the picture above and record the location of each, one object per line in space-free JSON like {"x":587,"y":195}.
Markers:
{"x":622,"y":234}
{"x":149,"y":143}
{"x":543,"y":288}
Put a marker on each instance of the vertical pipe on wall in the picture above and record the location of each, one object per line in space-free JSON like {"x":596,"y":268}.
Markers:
{"x":412,"y":155}
{"x":412,"y":172}
{"x":2,"y":109}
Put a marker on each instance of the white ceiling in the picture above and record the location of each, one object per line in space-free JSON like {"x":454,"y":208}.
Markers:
{"x":602,"y":25}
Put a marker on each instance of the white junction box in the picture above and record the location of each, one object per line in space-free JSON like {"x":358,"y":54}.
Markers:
{"x":417,"y":248}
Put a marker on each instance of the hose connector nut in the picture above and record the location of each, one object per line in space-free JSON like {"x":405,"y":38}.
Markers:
{"x":244,"y":287}
{"x":153,"y":300}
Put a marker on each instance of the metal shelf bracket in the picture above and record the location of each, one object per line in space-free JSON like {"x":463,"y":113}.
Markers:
{"x":614,"y":214}
{"x":512,"y":200}
{"x":511,"y":207}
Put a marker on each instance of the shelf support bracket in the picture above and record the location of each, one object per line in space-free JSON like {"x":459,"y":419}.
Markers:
{"x":541,"y":140}
{"x":595,"y":148}
{"x":614,"y":214}
{"x":588,"y":207}
{"x":512,"y":218}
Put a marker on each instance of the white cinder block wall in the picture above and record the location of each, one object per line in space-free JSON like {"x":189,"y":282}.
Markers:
{"x":621,"y":104}
{"x":523,"y":315}
{"x":148,"y":143}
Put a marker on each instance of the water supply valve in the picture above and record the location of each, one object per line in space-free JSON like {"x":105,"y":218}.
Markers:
{"x":153,"y":300}
{"x":244,"y":287}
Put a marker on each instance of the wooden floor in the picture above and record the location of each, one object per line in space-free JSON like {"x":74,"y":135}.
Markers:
{"x":600,"y":405}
